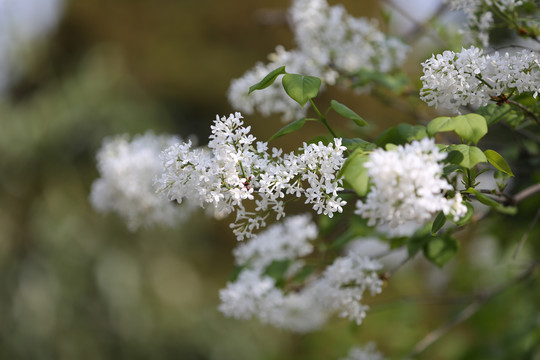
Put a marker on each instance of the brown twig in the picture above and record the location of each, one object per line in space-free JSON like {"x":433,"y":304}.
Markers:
{"x":525,"y":193}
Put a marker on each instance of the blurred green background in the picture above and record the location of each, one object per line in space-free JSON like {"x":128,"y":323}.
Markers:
{"x":76,"y":284}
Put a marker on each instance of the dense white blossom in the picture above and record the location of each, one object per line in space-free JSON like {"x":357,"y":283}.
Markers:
{"x":328,"y":35}
{"x":480,"y":18}
{"x":127,"y":172}
{"x":366,"y":352}
{"x":471,"y":77}
{"x":290,"y":239}
{"x":330,"y":43}
{"x":339,"y":289}
{"x":236,"y":168}
{"x":407,"y":186}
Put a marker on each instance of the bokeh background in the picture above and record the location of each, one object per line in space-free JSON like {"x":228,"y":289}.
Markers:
{"x":76,"y":284}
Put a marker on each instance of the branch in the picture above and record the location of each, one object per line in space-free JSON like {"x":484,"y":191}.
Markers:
{"x":525,"y":193}
{"x":470,"y":310}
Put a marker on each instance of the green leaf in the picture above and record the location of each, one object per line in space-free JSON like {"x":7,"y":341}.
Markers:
{"x":303,"y":274}
{"x":401,"y":134}
{"x":410,"y":132}
{"x":277,"y":269}
{"x":355,"y":173}
{"x":418,"y":240}
{"x":438,"y":223}
{"x":347,"y":113}
{"x":483,"y":198}
{"x":387,"y":136}
{"x":289,"y":128}
{"x":498,"y":161}
{"x":486,"y":200}
{"x":471,"y":127}
{"x":440,"y":124}
{"x":465,"y":155}
{"x":343,"y":239}
{"x":267,"y":80}
{"x":440,"y":249}
{"x":235,"y":273}
{"x":357,"y":143}
{"x":301,"y":88}
{"x":494,"y":113}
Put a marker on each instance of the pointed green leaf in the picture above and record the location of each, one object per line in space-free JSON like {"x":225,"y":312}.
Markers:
{"x":277,"y":269}
{"x":441,"y":249}
{"x":438,"y":223}
{"x":440,"y":124}
{"x":301,"y":88}
{"x":465,"y":155}
{"x":498,"y":161}
{"x":289,"y":128}
{"x":483,"y":198}
{"x":354,"y":143}
{"x":267,"y":80}
{"x":470,"y":127}
{"x":410,"y":132}
{"x":387,"y":136}
{"x":418,"y":240}
{"x":355,"y":173}
{"x":494,"y":113}
{"x":347,"y":113}
{"x":486,"y":200}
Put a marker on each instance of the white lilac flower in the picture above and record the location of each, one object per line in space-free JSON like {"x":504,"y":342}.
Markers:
{"x":236,"y":168}
{"x":470,"y":77}
{"x":290,"y":239}
{"x":337,"y":290}
{"x":366,"y":352}
{"x":248,"y":295}
{"x":330,"y":36}
{"x":330,"y":43}
{"x":127,"y":170}
{"x":407,"y":185}
{"x":341,"y":287}
{"x":480,"y":18}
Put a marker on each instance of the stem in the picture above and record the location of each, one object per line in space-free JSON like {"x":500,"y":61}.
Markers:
{"x":391,"y":272}
{"x":479,"y":77}
{"x":323,"y":119}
